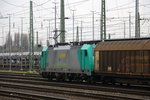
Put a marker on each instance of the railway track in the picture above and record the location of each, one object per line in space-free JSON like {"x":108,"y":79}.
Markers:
{"x":26,"y":83}
{"x":67,"y":91}
{"x":19,"y":74}
{"x":26,"y":95}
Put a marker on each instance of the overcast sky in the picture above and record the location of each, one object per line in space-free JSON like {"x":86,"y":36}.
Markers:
{"x":117,"y":12}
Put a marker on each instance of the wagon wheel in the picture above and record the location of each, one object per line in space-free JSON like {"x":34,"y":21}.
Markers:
{"x":50,"y":78}
{"x":91,"y":80}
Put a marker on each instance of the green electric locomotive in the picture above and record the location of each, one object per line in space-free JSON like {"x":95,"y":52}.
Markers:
{"x":67,"y":62}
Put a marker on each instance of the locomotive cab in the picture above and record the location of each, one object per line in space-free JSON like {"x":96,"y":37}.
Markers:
{"x":43,"y":58}
{"x":86,"y":57}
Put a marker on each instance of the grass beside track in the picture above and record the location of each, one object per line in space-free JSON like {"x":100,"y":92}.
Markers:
{"x":18,"y":72}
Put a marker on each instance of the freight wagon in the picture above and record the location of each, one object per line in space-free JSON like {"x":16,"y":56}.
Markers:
{"x":125,"y":61}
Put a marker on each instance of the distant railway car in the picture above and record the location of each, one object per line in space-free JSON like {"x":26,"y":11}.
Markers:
{"x":125,"y":61}
{"x":17,"y":59}
{"x":67,"y":62}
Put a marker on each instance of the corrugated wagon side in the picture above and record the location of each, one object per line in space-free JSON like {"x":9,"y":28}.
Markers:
{"x":123,"y":61}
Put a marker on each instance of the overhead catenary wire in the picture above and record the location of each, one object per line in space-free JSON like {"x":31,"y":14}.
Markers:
{"x":112,"y":22}
{"x":22,"y":6}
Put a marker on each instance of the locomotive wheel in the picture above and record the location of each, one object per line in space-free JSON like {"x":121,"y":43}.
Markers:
{"x":128,"y":84}
{"x":104,"y":82}
{"x":89,"y":80}
{"x":92,"y":81}
{"x":43,"y":74}
{"x":79,"y":80}
{"x":60,"y":77}
{"x":120,"y":84}
{"x":70,"y":79}
{"x":50,"y":77}
{"x":57,"y":78}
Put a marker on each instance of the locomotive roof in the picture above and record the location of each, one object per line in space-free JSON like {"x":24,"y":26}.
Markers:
{"x":44,"y":48}
{"x":143,"y":44}
{"x":65,"y":47}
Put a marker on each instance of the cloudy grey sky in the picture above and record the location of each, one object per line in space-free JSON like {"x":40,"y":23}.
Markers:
{"x":117,"y":12}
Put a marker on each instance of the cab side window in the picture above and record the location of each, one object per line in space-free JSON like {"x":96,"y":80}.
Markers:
{"x":86,"y":53}
{"x":42,"y":54}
